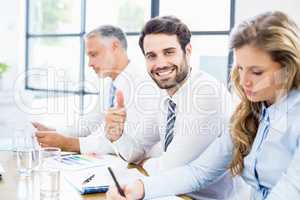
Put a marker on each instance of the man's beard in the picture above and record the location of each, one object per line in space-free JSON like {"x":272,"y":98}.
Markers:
{"x":174,"y":82}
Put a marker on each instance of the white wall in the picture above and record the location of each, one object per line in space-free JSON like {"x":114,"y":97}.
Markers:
{"x":12,"y":38}
{"x":12,"y":42}
{"x":249,"y":8}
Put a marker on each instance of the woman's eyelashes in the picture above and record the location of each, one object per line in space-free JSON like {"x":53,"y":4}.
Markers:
{"x":257,"y":73}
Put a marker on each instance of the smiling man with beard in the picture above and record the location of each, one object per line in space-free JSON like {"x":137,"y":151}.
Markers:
{"x":194,"y":109}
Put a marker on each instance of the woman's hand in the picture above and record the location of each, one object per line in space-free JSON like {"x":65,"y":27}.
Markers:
{"x":132,"y":191}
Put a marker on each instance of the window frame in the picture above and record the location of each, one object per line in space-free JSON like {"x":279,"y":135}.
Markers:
{"x":155,"y":5}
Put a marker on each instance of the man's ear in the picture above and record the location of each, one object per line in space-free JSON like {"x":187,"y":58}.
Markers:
{"x":188,"y":49}
{"x":115,"y":44}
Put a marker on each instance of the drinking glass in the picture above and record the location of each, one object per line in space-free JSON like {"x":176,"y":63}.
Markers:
{"x":49,"y":173}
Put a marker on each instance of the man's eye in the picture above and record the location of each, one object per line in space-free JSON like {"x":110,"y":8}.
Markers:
{"x":150,"y":56}
{"x":169,"y":52}
{"x":257,"y":73}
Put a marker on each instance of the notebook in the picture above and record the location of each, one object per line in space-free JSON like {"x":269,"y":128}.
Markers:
{"x":102,"y":179}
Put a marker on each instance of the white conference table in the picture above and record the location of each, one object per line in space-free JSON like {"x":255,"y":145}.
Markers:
{"x":15,"y":187}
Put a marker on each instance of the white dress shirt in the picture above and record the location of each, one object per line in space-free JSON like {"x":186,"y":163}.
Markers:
{"x":271,"y":168}
{"x":136,"y":86}
{"x":92,"y":118}
{"x":203,"y":109}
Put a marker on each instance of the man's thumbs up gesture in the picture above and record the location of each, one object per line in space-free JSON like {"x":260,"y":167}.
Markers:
{"x":115,"y":118}
{"x":120,"y":99}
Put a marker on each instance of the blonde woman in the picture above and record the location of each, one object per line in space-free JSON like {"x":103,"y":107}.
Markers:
{"x":264,"y":141}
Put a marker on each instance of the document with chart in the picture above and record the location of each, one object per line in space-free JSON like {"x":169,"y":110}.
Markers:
{"x":98,"y":179}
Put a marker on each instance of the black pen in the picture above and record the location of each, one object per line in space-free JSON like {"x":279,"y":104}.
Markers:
{"x":116,"y":182}
{"x":88,"y":179}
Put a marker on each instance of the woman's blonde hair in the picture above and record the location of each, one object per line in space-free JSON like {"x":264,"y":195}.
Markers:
{"x":276,"y":34}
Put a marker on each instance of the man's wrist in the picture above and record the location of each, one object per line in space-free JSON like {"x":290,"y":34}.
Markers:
{"x":70,"y":144}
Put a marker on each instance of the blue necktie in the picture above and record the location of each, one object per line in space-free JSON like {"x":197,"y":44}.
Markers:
{"x":112,"y":94}
{"x":170,"y":123}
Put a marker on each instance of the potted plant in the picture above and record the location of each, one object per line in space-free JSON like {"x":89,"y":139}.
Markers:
{"x":3,"y":68}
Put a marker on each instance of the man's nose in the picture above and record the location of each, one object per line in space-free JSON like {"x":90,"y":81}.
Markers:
{"x":90,"y":64}
{"x":160,"y":62}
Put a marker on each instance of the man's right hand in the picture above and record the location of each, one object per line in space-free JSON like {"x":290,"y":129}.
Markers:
{"x":49,"y":137}
{"x":115,"y":119}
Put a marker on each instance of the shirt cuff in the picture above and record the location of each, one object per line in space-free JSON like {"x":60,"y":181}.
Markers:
{"x":122,"y":145}
{"x":95,"y":144}
{"x":152,"y":166}
{"x":152,"y":188}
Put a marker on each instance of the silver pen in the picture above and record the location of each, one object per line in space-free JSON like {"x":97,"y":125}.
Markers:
{"x":88,"y":179}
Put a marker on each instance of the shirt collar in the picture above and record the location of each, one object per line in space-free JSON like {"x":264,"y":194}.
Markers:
{"x":264,"y":113}
{"x":282,"y":106}
{"x":179,"y":94}
{"x":119,"y":79}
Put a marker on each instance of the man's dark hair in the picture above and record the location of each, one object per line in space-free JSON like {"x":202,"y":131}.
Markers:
{"x":169,"y":25}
